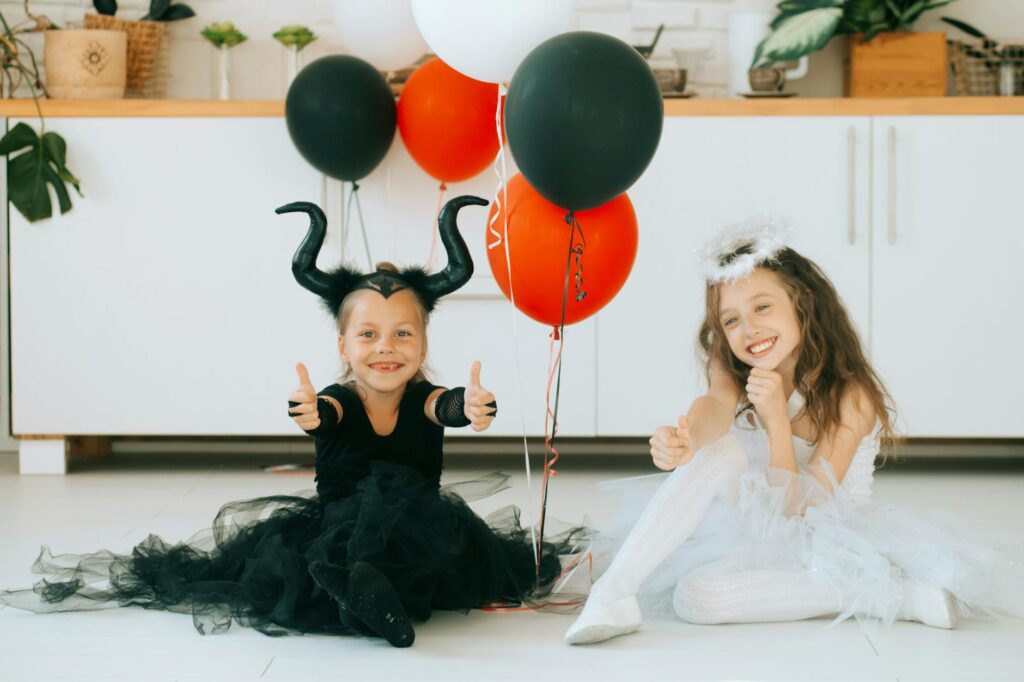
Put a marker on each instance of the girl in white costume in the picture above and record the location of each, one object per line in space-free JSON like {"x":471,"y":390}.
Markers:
{"x":767,"y":514}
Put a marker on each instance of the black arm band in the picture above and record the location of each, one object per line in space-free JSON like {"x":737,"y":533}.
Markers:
{"x":450,"y":408}
{"x":327,"y":413}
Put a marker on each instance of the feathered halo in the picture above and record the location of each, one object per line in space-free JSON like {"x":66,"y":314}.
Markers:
{"x":735,"y":251}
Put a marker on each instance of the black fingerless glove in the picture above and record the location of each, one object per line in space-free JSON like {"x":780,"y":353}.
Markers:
{"x":328,"y":416}
{"x":450,"y":407}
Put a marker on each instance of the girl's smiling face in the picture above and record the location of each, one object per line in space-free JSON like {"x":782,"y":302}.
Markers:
{"x":760,"y":322}
{"x":384,"y":339}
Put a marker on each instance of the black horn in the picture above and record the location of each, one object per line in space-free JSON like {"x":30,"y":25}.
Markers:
{"x":460,"y":264}
{"x":304,"y":260}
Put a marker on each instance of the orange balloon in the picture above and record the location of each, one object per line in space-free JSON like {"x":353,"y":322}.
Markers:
{"x":604,"y":250}
{"x":446,"y":120}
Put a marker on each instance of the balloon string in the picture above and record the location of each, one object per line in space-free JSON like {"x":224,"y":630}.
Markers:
{"x":550,"y":430}
{"x":558,"y":334}
{"x":434,"y":225}
{"x":387,"y":203}
{"x":354,"y":198}
{"x":501,"y":239}
{"x":343,"y":218}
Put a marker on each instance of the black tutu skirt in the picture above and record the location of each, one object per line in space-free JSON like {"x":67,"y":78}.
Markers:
{"x":252,"y":566}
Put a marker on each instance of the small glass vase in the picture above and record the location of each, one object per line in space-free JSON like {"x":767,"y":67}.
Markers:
{"x":224,"y":73}
{"x":294,"y":63}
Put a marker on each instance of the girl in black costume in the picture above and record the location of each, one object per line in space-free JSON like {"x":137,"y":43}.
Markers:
{"x":381,"y":543}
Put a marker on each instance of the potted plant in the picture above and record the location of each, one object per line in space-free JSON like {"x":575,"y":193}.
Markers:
{"x":145,"y":36}
{"x":41,"y":163}
{"x":223,"y":36}
{"x":885,"y":59}
{"x":85,"y":63}
{"x":295,"y":38}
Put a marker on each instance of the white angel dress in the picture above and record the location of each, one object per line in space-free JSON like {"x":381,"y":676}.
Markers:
{"x":726,"y":538}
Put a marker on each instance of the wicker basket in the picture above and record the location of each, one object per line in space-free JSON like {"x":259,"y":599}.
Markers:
{"x":143,"y":45}
{"x":988,"y":69}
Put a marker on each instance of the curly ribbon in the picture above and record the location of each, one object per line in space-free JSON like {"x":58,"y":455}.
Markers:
{"x":576,"y":248}
{"x":584,"y":558}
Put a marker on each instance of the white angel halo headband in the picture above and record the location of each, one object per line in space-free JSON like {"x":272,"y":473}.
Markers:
{"x":734,"y":252}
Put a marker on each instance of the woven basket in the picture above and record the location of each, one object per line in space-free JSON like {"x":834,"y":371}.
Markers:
{"x":978,"y":69}
{"x":143,"y":44}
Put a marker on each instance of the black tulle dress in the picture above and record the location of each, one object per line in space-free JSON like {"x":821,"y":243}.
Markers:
{"x":378,"y":501}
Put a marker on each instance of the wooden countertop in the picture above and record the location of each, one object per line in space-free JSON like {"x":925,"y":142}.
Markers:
{"x":793,"y":106}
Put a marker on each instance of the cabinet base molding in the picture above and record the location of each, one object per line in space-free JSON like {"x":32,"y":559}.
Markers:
{"x":42,"y":455}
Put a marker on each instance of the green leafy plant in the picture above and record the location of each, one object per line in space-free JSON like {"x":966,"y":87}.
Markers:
{"x":159,"y":10}
{"x":805,"y":26}
{"x":224,"y":34}
{"x":40,"y":166}
{"x":299,"y":36}
{"x":41,"y":163}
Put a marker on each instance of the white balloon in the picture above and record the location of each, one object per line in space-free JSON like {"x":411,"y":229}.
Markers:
{"x":383,"y":32}
{"x":487,"y":39}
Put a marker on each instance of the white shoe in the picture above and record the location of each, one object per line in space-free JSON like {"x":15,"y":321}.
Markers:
{"x":932,"y":606}
{"x":600,"y":621}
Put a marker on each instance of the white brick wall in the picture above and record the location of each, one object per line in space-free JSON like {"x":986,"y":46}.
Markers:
{"x":258,"y":66}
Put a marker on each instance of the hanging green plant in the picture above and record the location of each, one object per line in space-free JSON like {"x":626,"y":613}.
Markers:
{"x":40,"y":166}
{"x":41,"y":163}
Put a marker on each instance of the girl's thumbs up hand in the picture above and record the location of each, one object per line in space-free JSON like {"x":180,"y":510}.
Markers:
{"x":480,"y":403}
{"x":302,"y":401}
{"x":670,"y":445}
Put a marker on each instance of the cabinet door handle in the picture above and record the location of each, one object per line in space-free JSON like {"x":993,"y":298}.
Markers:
{"x":851,"y":193}
{"x":892,"y":184}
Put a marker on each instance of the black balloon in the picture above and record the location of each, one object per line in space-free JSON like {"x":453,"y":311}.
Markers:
{"x":583,"y":118}
{"x":341,"y":116}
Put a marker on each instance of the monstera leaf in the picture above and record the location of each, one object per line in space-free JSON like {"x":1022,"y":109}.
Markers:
{"x":31,"y":173}
{"x":798,"y":35}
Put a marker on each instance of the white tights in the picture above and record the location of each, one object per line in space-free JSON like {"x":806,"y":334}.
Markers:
{"x":716,"y":594}
{"x":672,"y":515}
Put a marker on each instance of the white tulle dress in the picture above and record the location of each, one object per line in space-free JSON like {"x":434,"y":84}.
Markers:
{"x":772,"y":530}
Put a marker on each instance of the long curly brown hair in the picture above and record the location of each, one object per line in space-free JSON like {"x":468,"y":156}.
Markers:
{"x":830,"y":360}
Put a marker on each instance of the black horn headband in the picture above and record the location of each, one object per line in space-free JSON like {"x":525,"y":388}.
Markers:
{"x":332,"y":287}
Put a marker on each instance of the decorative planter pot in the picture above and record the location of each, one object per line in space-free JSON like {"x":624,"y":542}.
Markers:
{"x":85,"y":63}
{"x":897,"y":65}
{"x":145,"y":39}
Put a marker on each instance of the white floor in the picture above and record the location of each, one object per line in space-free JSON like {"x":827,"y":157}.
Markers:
{"x":117,"y":504}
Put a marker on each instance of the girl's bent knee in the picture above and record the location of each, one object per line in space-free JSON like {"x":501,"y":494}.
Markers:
{"x":695,"y":601}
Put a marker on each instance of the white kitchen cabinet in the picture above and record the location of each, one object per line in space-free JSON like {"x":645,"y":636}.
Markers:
{"x":163,"y":304}
{"x":947,"y":272}
{"x":810,"y":173}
